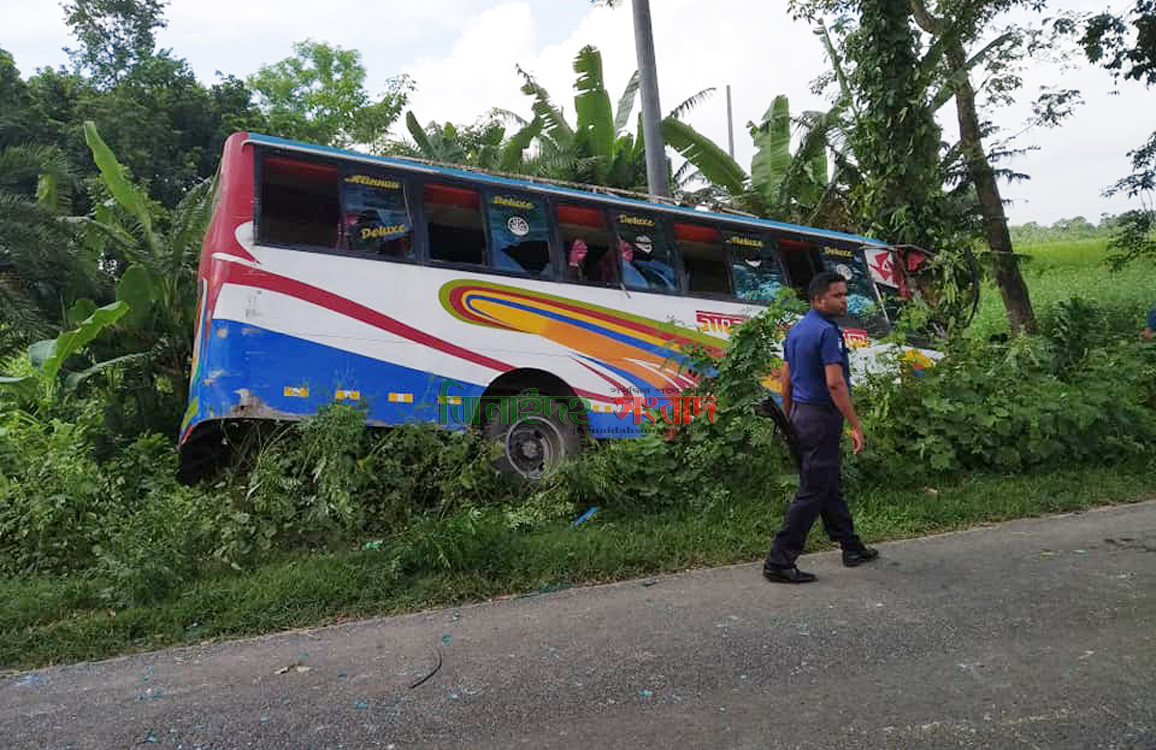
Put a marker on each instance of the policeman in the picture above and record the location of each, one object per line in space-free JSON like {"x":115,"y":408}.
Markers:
{"x":816,"y":385}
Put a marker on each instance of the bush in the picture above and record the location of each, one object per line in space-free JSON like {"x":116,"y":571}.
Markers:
{"x":1068,"y":397}
{"x":55,"y":506}
{"x":1078,"y":393}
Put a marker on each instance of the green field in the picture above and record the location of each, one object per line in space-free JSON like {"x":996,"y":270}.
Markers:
{"x":1057,"y":271}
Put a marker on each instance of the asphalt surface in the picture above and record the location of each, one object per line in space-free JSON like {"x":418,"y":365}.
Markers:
{"x":1032,"y":634}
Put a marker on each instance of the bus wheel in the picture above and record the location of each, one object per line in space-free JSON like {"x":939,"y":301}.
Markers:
{"x":534,"y":445}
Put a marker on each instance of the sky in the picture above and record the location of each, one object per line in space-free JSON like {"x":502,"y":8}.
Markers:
{"x":463,"y":56}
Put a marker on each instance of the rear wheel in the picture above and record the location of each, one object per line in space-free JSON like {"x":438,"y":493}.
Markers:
{"x":533,"y":445}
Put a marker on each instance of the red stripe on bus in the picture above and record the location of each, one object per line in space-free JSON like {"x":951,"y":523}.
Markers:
{"x":255,"y":277}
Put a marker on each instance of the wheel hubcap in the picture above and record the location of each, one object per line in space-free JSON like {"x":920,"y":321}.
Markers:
{"x":530,"y":448}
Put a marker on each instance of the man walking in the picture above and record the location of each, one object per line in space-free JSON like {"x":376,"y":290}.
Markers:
{"x":816,"y":385}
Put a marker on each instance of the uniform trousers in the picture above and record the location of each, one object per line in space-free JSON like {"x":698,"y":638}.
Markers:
{"x":818,"y":428}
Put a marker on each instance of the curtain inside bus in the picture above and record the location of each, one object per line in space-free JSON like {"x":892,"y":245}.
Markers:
{"x":519,"y":234}
{"x":647,"y":253}
{"x":377,"y":219}
{"x":758,"y":275}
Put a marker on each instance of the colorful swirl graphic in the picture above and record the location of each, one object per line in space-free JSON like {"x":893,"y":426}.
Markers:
{"x":647,"y":352}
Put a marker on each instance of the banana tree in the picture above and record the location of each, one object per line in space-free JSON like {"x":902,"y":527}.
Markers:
{"x":485,"y":146}
{"x":599,"y":149}
{"x":781,"y":184}
{"x":158,"y":251}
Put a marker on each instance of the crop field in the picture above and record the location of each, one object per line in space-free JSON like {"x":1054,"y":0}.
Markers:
{"x":1057,"y":271}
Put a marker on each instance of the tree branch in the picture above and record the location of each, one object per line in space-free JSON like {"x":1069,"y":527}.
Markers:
{"x":926,"y":20}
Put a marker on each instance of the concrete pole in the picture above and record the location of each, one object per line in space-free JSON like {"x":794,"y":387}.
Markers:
{"x":730,"y":125}
{"x":651,"y":110}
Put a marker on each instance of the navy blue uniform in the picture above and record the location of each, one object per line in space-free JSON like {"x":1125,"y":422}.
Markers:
{"x":811,"y":344}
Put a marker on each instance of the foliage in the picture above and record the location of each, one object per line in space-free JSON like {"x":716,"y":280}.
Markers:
{"x":40,"y":269}
{"x":1108,"y":41}
{"x":781,"y":185}
{"x":51,"y":354}
{"x":597,"y":149}
{"x":483,"y":144}
{"x":115,"y":35}
{"x":1027,"y":404}
{"x":158,"y":250}
{"x":319,"y":95}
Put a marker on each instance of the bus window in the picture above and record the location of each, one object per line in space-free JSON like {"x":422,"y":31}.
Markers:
{"x":377,"y":220}
{"x":586,"y":243}
{"x":851,"y":265}
{"x":755,"y":266}
{"x":704,"y":259}
{"x":298,"y":202}
{"x":803,"y":262}
{"x":647,"y":254}
{"x":454,"y":220}
{"x":519,"y":234}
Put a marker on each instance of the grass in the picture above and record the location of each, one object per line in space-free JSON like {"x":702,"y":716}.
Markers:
{"x":1056,"y":271}
{"x":52,"y":621}
{"x":59,"y":620}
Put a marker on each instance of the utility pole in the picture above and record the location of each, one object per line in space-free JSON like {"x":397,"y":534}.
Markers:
{"x":651,"y":110}
{"x":730,"y":125}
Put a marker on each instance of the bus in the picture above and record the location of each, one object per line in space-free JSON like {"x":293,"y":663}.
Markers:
{"x":411,"y":289}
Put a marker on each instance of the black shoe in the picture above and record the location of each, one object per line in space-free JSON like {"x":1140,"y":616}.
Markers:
{"x":853,"y":557}
{"x":787,"y":575}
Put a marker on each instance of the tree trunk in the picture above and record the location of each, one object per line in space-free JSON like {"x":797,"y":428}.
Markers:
{"x":651,"y":112}
{"x":1007,"y":271}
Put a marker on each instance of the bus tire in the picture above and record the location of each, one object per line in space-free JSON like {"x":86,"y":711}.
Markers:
{"x":534,"y":445}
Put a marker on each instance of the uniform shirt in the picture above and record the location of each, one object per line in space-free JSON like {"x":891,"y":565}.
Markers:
{"x":1152,"y":318}
{"x":811,"y":344}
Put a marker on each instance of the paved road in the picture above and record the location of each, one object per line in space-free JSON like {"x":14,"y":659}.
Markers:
{"x":1032,"y":634}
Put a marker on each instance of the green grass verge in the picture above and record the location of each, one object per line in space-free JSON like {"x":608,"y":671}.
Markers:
{"x":51,"y":621}
{"x":1056,"y":271}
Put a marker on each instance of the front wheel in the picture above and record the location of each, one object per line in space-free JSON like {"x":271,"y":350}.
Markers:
{"x":533,"y":445}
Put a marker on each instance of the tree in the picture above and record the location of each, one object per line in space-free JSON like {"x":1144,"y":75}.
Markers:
{"x":319,"y":95}
{"x":1107,"y":40}
{"x":781,"y":185}
{"x":115,"y":36}
{"x":965,"y":24}
{"x":598,"y":149}
{"x":41,"y":271}
{"x":960,"y":38}
{"x":482,"y":145}
{"x":157,"y":251}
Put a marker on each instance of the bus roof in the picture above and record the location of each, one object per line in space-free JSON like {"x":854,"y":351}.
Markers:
{"x":552,"y":188}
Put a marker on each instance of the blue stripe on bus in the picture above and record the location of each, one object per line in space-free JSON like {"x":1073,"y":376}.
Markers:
{"x":264,"y":363}
{"x":244,"y":357}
